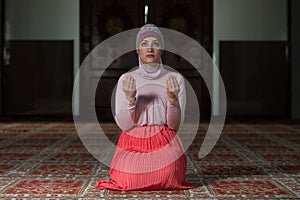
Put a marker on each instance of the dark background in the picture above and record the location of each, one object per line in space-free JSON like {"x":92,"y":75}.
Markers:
{"x":37,"y":81}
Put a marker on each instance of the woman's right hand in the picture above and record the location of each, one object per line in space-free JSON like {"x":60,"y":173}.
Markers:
{"x":129,"y":87}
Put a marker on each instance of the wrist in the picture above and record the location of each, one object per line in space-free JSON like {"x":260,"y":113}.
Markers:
{"x":173,"y":100}
{"x":131,"y":99}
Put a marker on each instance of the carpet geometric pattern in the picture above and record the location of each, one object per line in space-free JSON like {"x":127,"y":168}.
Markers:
{"x":250,"y":161}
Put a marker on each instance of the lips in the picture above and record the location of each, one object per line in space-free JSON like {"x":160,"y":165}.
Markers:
{"x":150,"y":56}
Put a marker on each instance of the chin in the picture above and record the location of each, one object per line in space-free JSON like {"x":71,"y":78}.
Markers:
{"x":151,"y":61}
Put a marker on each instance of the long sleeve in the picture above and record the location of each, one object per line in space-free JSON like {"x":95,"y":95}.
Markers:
{"x":175,"y":112}
{"x":125,"y":110}
{"x":151,"y":106}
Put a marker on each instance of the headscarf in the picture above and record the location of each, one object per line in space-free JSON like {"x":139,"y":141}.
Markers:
{"x":150,"y":30}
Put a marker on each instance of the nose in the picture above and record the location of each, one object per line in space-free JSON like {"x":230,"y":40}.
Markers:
{"x":150,"y":49}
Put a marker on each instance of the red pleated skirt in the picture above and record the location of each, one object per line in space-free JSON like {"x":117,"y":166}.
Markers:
{"x":147,"y":158}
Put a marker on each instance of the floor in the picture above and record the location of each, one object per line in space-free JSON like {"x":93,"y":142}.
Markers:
{"x":250,"y":161}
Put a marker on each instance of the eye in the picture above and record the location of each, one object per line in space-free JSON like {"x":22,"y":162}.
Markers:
{"x":156,"y":44}
{"x":144,"y":44}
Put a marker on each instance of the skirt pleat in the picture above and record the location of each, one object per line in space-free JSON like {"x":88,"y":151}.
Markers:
{"x":147,"y":158}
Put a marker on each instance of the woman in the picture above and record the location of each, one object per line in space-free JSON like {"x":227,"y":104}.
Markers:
{"x":150,"y":103}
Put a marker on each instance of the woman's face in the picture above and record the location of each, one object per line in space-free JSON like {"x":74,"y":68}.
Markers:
{"x":150,"y":50}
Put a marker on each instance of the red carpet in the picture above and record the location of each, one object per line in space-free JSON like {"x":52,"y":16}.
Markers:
{"x":252,"y":161}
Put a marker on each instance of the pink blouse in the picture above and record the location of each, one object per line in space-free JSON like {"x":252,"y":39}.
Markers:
{"x":151,"y":106}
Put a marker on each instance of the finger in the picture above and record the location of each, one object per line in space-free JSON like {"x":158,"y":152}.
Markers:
{"x":172,"y":82}
{"x":175,"y":86}
{"x":168,"y":83}
{"x":133,"y":83}
{"x":124,"y":84}
{"x":130,"y":82}
{"x":126,"y":79}
{"x":175,"y":82}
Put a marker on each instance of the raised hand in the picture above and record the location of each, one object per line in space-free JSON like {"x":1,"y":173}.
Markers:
{"x":172,"y":89}
{"x":129,"y":87}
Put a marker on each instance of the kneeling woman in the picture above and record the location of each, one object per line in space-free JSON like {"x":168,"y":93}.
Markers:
{"x":150,"y":104}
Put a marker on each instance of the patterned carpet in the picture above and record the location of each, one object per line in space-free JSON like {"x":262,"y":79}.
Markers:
{"x":252,"y":161}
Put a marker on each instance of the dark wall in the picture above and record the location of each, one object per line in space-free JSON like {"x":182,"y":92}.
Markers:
{"x":38,"y":79}
{"x":1,"y":47}
{"x":295,"y":58}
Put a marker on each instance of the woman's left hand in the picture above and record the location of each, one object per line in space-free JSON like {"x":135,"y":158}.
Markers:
{"x":172,"y":89}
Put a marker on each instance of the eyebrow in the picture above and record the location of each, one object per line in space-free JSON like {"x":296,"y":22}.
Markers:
{"x":149,"y":41}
